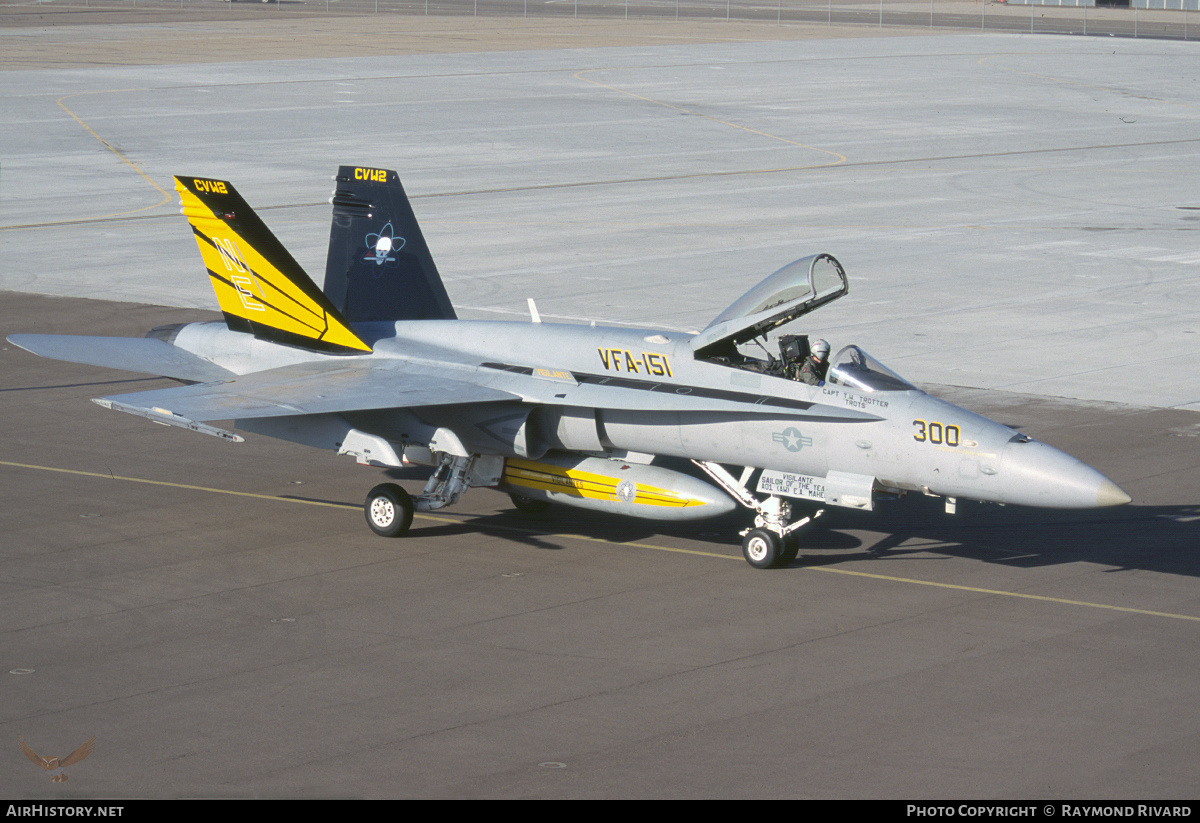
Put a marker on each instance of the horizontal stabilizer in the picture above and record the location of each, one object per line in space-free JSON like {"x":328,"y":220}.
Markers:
{"x":138,"y":354}
{"x":314,"y":388}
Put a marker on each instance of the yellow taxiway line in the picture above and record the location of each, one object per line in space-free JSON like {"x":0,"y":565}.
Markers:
{"x":627,"y":544}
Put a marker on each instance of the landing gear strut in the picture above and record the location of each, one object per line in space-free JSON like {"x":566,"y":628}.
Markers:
{"x":772,"y":542}
{"x":389,"y":508}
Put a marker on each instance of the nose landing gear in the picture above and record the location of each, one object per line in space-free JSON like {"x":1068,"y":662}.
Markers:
{"x":772,"y":542}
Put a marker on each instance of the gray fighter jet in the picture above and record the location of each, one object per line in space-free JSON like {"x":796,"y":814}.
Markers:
{"x":377,"y":366}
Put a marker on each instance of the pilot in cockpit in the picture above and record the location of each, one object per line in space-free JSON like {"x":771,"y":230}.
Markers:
{"x":816,"y":365}
{"x":807,"y":368}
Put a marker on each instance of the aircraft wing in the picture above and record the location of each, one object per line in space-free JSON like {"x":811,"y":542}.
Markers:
{"x":310,"y":388}
{"x":138,"y":354}
{"x":362,"y":384}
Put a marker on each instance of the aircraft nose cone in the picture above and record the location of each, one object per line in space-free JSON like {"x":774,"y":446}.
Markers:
{"x":1035,"y":474}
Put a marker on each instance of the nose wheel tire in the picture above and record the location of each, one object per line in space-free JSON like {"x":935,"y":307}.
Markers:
{"x":763,"y":549}
{"x":389,"y":510}
{"x":791,"y":550}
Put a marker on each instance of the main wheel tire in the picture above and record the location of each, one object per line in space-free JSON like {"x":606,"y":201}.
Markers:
{"x":389,"y":510}
{"x":528,"y":505}
{"x":761,"y":548}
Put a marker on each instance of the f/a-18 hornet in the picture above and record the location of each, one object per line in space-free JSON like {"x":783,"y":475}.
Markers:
{"x":377,"y":365}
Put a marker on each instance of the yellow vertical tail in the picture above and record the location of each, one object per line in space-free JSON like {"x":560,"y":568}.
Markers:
{"x":259,"y":285}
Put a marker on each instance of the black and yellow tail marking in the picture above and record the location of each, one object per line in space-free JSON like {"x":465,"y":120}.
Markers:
{"x":379,"y":268}
{"x":259,"y":285}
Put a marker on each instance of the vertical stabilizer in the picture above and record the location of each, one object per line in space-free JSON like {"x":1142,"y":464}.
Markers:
{"x":379,"y":267}
{"x":259,"y":285}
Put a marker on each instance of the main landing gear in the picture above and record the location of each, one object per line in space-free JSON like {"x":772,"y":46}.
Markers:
{"x":773,"y":541}
{"x":389,"y":509}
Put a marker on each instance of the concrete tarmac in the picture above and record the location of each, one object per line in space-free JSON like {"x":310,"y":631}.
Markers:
{"x":1013,"y":212}
{"x":221,"y":619}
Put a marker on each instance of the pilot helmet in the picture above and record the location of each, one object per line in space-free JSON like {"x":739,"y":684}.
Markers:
{"x":820,"y":349}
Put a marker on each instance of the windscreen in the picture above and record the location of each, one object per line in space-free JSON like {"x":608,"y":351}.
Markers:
{"x":855,"y":368}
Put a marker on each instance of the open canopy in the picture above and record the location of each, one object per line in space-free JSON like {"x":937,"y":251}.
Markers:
{"x":794,"y":290}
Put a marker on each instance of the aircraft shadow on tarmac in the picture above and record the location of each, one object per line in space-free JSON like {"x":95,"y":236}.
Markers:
{"x":1148,"y":538}
{"x":1145,"y":538}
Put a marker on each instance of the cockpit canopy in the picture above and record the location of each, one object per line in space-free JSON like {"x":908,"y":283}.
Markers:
{"x":855,"y":368}
{"x":794,"y":290}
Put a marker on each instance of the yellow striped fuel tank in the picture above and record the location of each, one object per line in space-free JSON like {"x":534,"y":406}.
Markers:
{"x":615,"y":486}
